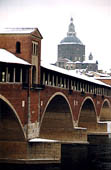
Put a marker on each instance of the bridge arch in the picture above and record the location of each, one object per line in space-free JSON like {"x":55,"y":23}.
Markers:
{"x":105,"y":112}
{"x":10,"y":125}
{"x":88,"y":115}
{"x":57,"y":119}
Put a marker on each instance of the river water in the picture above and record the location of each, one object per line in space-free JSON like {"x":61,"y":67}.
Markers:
{"x":93,"y":156}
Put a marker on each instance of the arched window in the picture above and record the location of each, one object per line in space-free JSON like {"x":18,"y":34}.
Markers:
{"x":18,"y":47}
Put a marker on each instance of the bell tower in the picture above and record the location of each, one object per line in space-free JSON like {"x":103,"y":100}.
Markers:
{"x":90,"y":56}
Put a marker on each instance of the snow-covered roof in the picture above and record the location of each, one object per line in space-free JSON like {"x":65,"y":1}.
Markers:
{"x":102,"y":74}
{"x":71,"y":73}
{"x":89,"y":61}
{"x":103,"y":78}
{"x":16,"y":30}
{"x":89,"y":74}
{"x":70,"y":62}
{"x":77,"y":62}
{"x":7,"y":57}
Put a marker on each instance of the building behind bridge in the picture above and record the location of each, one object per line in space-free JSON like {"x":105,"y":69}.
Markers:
{"x":71,"y":52}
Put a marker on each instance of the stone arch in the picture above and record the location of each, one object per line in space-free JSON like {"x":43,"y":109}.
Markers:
{"x":105,"y":113}
{"x":10,"y":125}
{"x":88,"y":115}
{"x":57,"y":119}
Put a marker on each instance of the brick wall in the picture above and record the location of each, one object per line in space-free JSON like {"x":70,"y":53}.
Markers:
{"x":75,"y":99}
{"x":15,"y":95}
{"x":8,"y":42}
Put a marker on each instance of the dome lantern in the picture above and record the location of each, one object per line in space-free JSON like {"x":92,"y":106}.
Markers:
{"x":71,"y":35}
{"x":71,"y":29}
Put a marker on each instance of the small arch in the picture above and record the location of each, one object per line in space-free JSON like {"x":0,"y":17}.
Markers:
{"x":10,"y":125}
{"x":57,"y":119}
{"x":105,"y":113}
{"x":88,"y":115}
{"x":18,"y":47}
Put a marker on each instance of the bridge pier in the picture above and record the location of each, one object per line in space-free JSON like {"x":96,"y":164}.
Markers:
{"x":76,"y":135}
{"x":36,"y":151}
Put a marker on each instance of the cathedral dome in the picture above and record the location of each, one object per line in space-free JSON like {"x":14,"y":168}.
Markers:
{"x":71,"y":35}
{"x":71,"y":47}
{"x":71,"y":40}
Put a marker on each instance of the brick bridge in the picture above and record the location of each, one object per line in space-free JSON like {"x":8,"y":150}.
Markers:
{"x":38,"y":100}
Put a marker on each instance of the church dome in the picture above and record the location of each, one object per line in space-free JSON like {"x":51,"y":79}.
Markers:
{"x":71,"y":40}
{"x":71,"y":46}
{"x":71,"y":35}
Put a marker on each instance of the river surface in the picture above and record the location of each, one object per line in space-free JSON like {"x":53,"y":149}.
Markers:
{"x":95,"y":156}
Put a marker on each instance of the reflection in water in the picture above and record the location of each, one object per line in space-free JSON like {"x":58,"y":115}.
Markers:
{"x":99,"y":152}
{"x":95,"y":156}
{"x":74,"y":156}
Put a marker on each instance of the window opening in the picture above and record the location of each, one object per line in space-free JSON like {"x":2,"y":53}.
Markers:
{"x":18,"y":47}
{"x":34,"y":48}
{"x":33,"y":75}
{"x":17,"y":75}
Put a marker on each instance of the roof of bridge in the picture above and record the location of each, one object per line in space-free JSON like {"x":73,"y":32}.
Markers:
{"x":72,"y":73}
{"x":7,"y":57}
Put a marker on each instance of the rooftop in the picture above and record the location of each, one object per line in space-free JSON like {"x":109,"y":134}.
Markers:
{"x":90,"y":61}
{"x":7,"y":57}
{"x":71,"y":73}
{"x":16,"y":30}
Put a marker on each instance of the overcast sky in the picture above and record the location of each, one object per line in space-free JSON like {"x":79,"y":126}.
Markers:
{"x":92,"y":20}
